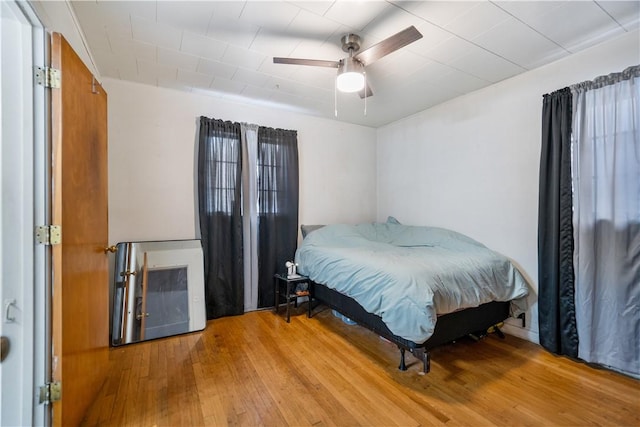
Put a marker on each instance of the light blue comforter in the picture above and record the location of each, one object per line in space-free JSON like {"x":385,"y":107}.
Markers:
{"x":408,"y":275}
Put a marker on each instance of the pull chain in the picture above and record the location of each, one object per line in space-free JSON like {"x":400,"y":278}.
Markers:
{"x":365,"y":92}
{"x":335,"y":97}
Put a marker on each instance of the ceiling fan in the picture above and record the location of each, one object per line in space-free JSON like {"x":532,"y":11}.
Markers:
{"x":351,"y":76}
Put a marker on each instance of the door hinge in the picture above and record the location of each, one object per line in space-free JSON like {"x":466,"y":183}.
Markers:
{"x":49,"y":234}
{"x":50,"y":392}
{"x":48,"y":77}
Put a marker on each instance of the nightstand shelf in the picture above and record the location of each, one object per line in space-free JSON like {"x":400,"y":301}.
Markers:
{"x":289,"y":286}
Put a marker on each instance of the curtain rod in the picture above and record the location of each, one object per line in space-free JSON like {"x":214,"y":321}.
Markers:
{"x":613,"y":78}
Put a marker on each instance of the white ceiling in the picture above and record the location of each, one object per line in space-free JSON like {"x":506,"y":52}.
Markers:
{"x":226,"y":47}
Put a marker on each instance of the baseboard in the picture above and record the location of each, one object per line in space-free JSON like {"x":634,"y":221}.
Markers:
{"x":525,"y":334}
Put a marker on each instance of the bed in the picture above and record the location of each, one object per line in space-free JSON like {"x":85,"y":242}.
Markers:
{"x":418,"y":287}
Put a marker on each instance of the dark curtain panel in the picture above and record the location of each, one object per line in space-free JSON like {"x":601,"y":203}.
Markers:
{"x":277,"y":206}
{"x":220,"y":207}
{"x":556,"y":305}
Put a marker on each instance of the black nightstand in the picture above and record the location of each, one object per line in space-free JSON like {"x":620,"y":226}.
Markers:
{"x":290,"y":285}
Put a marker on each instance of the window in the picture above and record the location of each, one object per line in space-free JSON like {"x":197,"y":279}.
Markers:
{"x":248,"y":195}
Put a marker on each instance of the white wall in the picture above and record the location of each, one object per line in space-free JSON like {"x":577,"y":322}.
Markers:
{"x":472,"y":164}
{"x":152,"y":148}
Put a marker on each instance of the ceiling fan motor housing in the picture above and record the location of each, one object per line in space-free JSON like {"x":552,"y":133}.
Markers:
{"x":350,"y":75}
{"x":350,"y":65}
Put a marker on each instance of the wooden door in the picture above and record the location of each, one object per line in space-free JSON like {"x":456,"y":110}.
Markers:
{"x":80,"y":316}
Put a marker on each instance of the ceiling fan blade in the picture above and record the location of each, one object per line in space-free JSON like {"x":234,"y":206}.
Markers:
{"x":312,"y":62}
{"x":366,"y":92}
{"x":388,"y":45}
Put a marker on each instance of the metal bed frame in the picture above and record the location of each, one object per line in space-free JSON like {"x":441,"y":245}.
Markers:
{"x":449,"y":327}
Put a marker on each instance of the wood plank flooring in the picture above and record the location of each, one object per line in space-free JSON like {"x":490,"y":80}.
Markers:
{"x":256,"y":369}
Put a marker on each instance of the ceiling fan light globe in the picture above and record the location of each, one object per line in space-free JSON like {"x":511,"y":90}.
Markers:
{"x":350,"y":82}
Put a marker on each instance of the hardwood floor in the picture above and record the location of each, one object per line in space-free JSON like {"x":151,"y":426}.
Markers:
{"x":256,"y":369}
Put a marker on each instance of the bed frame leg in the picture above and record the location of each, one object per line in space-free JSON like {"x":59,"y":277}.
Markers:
{"x":496,"y":330}
{"x":419,"y":353}
{"x":403,"y":366}
{"x":474,"y":337}
{"x":425,"y":357}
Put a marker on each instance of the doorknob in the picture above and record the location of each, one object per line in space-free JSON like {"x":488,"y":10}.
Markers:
{"x":4,"y":347}
{"x":112,"y":249}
